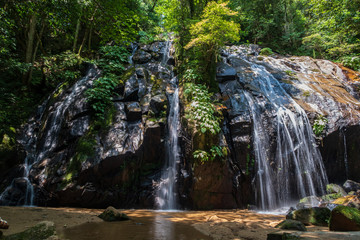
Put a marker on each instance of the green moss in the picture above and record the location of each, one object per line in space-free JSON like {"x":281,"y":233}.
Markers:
{"x":290,"y":73}
{"x":306,"y":93}
{"x":331,"y":197}
{"x":349,"y":212}
{"x":126,"y":75}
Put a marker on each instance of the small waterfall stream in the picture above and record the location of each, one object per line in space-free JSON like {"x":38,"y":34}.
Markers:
{"x":36,"y":152}
{"x":166,"y":197}
{"x":297,"y":170}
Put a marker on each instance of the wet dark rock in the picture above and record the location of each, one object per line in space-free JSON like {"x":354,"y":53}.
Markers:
{"x":315,"y":216}
{"x":141,"y":57}
{"x":350,"y":185}
{"x":80,"y":126}
{"x":158,"y":103}
{"x":345,"y":219}
{"x":225,"y":72}
{"x":42,"y":230}
{"x":131,"y":89}
{"x":291,"y":225}
{"x":133,"y":111}
{"x":112,"y":215}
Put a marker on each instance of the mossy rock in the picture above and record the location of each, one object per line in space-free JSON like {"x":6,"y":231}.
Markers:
{"x":289,"y":224}
{"x":111,"y":215}
{"x":40,"y":231}
{"x":334,"y":188}
{"x":315,"y":216}
{"x":310,"y":200}
{"x":345,"y":219}
{"x":331,"y":197}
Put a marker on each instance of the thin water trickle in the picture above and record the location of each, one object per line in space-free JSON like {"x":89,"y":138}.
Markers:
{"x":133,"y":48}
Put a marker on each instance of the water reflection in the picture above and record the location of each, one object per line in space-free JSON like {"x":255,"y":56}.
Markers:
{"x":153,"y":225}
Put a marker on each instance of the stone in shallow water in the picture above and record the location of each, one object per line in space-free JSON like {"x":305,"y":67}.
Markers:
{"x":316,"y":216}
{"x":345,"y":219}
{"x":42,"y":230}
{"x":111,"y":215}
{"x":291,"y":225}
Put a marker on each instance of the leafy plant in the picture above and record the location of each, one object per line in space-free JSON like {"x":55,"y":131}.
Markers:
{"x":112,"y":63}
{"x":201,"y":111}
{"x":352,"y":62}
{"x":215,"y":151}
{"x":266,"y":51}
{"x":319,"y":125}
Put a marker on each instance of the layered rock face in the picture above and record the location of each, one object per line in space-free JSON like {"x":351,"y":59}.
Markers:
{"x":74,"y":161}
{"x":271,"y":103}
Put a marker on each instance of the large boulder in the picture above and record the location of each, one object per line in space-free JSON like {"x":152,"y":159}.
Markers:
{"x":111,"y":215}
{"x":345,"y":219}
{"x":334,"y":188}
{"x":289,"y":224}
{"x":141,"y":57}
{"x":225,"y":72}
{"x":350,"y":185}
{"x":315,"y":216}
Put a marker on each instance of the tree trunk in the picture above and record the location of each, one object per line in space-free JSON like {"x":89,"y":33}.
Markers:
{"x":83,"y":41}
{"x":29,"y":45}
{"x":76,"y":34}
{"x":39,"y":36}
{"x":30,"y":39}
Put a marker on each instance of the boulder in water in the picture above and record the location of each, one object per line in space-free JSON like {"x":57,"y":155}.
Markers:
{"x":350,"y":185}
{"x":111,"y":215}
{"x":289,"y":224}
{"x":350,"y":201}
{"x":42,"y":230}
{"x":315,"y":216}
{"x":345,"y":219}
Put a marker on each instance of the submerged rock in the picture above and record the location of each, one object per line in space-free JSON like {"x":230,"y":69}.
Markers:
{"x":112,"y":215}
{"x":315,"y":216}
{"x":41,"y":231}
{"x":345,"y":219}
{"x":289,"y":224}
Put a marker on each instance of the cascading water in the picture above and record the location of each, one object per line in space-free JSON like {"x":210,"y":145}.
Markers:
{"x":297,"y":169}
{"x":345,"y":155}
{"x":166,"y":195}
{"x":166,"y":198}
{"x":36,"y":152}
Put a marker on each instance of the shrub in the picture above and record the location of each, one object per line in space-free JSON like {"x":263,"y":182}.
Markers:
{"x":266,"y":51}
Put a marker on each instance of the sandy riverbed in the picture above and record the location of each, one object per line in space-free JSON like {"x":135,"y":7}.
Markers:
{"x":71,"y":223}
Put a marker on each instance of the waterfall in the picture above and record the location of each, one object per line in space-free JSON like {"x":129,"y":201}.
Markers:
{"x":297,"y":169}
{"x":36,"y":150}
{"x":133,"y":50}
{"x":166,"y":195}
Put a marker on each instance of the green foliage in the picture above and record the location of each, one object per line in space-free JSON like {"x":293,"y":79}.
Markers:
{"x":266,"y":51}
{"x":319,"y":125}
{"x":215,"y":151}
{"x":63,"y":67}
{"x":100,"y":95}
{"x":352,"y":62}
{"x":112,"y":62}
{"x":201,"y":112}
{"x":210,"y":34}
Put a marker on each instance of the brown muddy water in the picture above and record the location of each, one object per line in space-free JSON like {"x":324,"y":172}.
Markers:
{"x":81,"y":223}
{"x":159,"y":226}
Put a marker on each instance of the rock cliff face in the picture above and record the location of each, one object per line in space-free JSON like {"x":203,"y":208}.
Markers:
{"x":279,"y":87}
{"x":74,"y":161}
